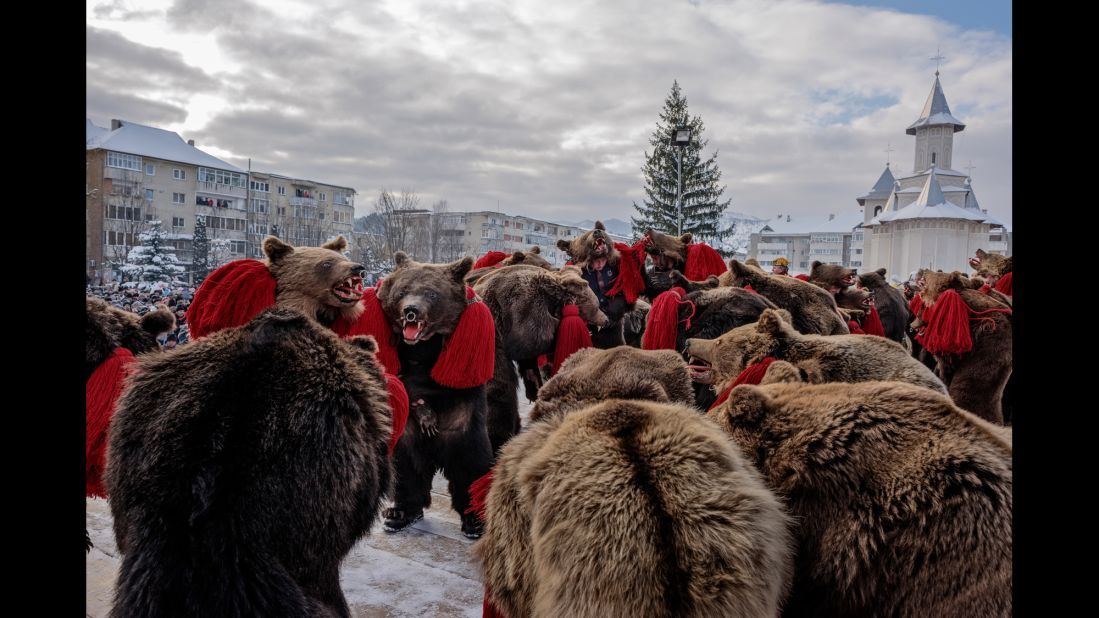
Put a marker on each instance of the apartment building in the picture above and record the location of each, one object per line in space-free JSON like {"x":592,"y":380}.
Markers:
{"x":803,"y":240}
{"x":136,"y":174}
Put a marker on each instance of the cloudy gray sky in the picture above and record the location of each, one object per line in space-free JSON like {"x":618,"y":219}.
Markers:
{"x":545,"y":108}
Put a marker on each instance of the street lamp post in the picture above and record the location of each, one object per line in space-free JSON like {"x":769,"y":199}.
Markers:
{"x":681,"y":137}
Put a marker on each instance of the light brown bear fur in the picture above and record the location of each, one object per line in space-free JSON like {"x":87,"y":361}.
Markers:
{"x":903,"y":499}
{"x":581,"y":249}
{"x":592,"y":375}
{"x":814,"y":310}
{"x":631,"y":508}
{"x":842,"y":358}
{"x":306,"y":278}
{"x":831,"y":277}
{"x":667,"y":251}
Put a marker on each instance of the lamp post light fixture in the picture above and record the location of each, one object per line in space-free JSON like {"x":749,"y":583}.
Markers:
{"x":681,"y":137}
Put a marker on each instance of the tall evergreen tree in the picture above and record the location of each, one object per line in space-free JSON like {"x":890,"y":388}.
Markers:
{"x":701,"y":204}
{"x":200,"y":265}
{"x":154,"y":259}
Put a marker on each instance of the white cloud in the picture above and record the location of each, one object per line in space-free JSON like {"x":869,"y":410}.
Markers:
{"x":548,"y":107}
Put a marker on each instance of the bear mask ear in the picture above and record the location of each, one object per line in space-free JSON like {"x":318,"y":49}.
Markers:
{"x":738,"y":269}
{"x":815,"y":264}
{"x":747,"y":405}
{"x":536,"y":250}
{"x":564,"y":245}
{"x":518,"y":257}
{"x":459,"y":269}
{"x":599,"y":226}
{"x":782,"y":371}
{"x":337,"y":244}
{"x":686,"y":238}
{"x":880,"y":271}
{"x":275,"y":249}
{"x":401,"y":259}
{"x":981,"y":254}
{"x":771,"y":322}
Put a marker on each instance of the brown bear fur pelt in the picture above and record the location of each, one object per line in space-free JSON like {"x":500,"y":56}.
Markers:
{"x":526,"y":305}
{"x":892,"y":308}
{"x":903,"y":500}
{"x":631,"y":508}
{"x":243,"y":467}
{"x":633,"y":323}
{"x":109,"y":328}
{"x":832,"y":277}
{"x":976,"y":380}
{"x":436,"y":295}
{"x":308,"y":278}
{"x":532,"y":257}
{"x":593,"y":375}
{"x":841,"y":358}
{"x":813,"y":309}
{"x":600,"y":261}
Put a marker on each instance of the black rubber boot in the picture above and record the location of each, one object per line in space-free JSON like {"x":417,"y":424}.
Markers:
{"x":472,"y":527}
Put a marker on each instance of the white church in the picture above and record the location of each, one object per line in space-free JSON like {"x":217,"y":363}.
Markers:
{"x":930,"y":218}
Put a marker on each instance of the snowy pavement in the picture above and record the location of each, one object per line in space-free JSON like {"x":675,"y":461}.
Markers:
{"x":423,"y":571}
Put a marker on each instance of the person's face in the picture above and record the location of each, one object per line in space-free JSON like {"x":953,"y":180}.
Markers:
{"x":778,"y":270}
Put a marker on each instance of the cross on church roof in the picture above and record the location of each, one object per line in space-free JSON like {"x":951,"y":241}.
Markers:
{"x":969,"y":168}
{"x":888,"y":149}
{"x":938,"y":57}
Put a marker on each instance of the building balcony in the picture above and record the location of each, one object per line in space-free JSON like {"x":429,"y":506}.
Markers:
{"x":781,"y":246}
{"x":303,"y":201}
{"x":117,"y":173}
{"x":215,"y":188}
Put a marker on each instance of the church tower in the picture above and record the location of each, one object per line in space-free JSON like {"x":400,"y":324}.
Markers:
{"x":934,"y":132}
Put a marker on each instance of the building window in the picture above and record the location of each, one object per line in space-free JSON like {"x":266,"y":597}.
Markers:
{"x":123,"y":161}
{"x":150,"y":169}
{"x":261,"y":186}
{"x":932,"y":158}
{"x":149,"y":194}
{"x":877,"y":210}
{"x":179,"y":198}
{"x":220,"y":177}
{"x":179,"y":174}
{"x":324,"y":198}
{"x":282,"y":190}
{"x":236,"y":246}
{"x":177,"y":222}
{"x":282,"y":210}
{"x":260,"y":205}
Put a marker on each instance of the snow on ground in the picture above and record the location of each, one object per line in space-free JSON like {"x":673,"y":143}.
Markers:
{"x":427,"y":570}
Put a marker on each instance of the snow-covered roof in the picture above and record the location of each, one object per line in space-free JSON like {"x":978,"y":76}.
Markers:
{"x":821,"y":224}
{"x":989,"y":219}
{"x":935,"y":111}
{"x":881,"y":188}
{"x":138,"y":139}
{"x":92,"y":132}
{"x":971,"y":201}
{"x":938,"y":171}
{"x":910,"y":190}
{"x":932,"y":204}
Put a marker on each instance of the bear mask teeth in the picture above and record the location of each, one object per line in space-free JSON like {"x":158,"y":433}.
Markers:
{"x":350,"y":290}
{"x":412,"y":331}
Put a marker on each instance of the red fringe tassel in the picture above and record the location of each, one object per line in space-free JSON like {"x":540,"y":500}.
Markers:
{"x":662,"y":323}
{"x":753,"y":374}
{"x":469,"y":354}
{"x":572,"y":335}
{"x":492,"y":258}
{"x":101,"y":393}
{"x":871,"y":324}
{"x":629,"y":281}
{"x":703,"y":261}
{"x":231,"y":296}
{"x":398,"y":407}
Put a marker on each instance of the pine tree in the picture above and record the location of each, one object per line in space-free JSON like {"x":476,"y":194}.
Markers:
{"x":701,"y":207}
{"x":201,"y":246}
{"x":153,"y":259}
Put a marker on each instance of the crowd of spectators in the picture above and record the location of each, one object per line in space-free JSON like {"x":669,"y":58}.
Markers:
{"x":141,"y":298}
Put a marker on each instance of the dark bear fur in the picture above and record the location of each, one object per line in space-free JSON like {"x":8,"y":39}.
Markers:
{"x":109,"y":328}
{"x":669,"y":255}
{"x":526,"y":305}
{"x":633,"y":323}
{"x":532,"y":257}
{"x":976,"y":380}
{"x":243,"y":467}
{"x":889,"y":301}
{"x":904,"y":500}
{"x":990,"y":266}
{"x":460,"y":447}
{"x":813,"y":309}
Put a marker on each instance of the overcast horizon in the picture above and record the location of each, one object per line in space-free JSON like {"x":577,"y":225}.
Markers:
{"x":546,"y":110}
